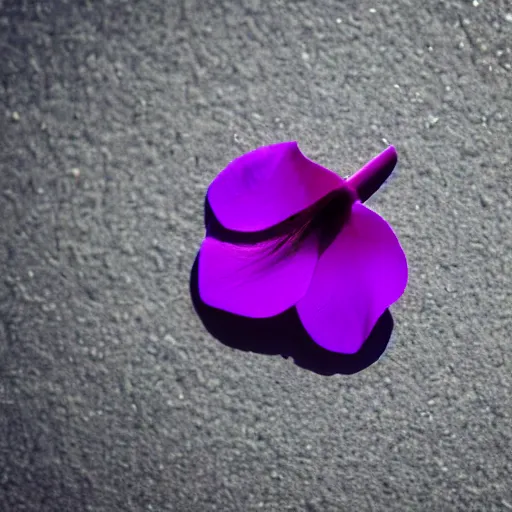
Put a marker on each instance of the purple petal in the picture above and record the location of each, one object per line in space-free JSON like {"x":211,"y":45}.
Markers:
{"x":256,"y":281}
{"x":266,"y":186}
{"x":371,"y":176}
{"x":356,"y":279}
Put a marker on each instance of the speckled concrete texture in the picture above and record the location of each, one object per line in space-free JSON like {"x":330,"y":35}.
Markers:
{"x":115,"y":116}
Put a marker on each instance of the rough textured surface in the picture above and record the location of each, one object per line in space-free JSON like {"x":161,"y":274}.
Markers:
{"x":115,"y":117}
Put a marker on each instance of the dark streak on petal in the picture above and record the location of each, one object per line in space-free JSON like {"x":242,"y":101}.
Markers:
{"x":325,"y":218}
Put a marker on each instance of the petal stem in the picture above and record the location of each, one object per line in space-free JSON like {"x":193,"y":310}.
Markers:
{"x":370,"y":178}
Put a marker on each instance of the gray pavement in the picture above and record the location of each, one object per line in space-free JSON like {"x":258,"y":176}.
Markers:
{"x":115,"y":116}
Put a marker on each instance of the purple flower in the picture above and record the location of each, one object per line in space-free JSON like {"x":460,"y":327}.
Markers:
{"x":301,"y":237}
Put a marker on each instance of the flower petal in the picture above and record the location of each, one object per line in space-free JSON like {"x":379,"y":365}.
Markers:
{"x":266,"y":186}
{"x":255,"y":280}
{"x":356,"y":279}
{"x":372,"y":176}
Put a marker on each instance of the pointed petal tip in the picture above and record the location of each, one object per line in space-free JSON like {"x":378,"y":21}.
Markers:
{"x":372,"y":175}
{"x":386,"y":157}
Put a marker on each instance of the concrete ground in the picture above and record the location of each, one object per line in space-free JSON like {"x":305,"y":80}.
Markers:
{"x":115,"y":116}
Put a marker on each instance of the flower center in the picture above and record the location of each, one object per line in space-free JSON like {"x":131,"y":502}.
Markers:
{"x":327,"y":217}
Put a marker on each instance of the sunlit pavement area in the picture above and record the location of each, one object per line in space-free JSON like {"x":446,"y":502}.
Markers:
{"x":115,"y":117}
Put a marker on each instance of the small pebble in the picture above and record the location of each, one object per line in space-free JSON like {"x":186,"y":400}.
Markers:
{"x":485,"y":201}
{"x":432,"y":120}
